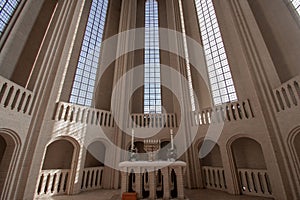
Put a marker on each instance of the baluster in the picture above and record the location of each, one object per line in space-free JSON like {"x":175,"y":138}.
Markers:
{"x":63,"y":115}
{"x":7,"y":96}
{"x":251,"y":186}
{"x":64,"y":176}
{"x":294,"y":91}
{"x":203,"y":170}
{"x":68,"y":113}
{"x":210,"y":178}
{"x":218,"y":178}
{"x":45,"y":175}
{"x":92,"y":179}
{"x":56,"y":182}
{"x":239,"y":111}
{"x":222,"y":184}
{"x":79,"y":115}
{"x":57,"y":113}
{"x":242,"y":180}
{"x":84,"y":180}
{"x":289,"y":94}
{"x":3,"y":92}
{"x":50,"y":181}
{"x":264,"y":182}
{"x":17,"y":101}
{"x":154,"y":120}
{"x":28,"y":104}
{"x":285,"y":97}
{"x":255,"y":181}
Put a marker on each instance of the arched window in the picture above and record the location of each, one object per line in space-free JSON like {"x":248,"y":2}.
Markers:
{"x":219,"y":73}
{"x":7,"y":9}
{"x":84,"y":82}
{"x":152,"y":83}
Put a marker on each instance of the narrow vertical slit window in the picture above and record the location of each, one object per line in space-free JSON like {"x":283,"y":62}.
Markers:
{"x":7,"y":9}
{"x":84,"y":81}
{"x":152,"y":82}
{"x":221,"y":82}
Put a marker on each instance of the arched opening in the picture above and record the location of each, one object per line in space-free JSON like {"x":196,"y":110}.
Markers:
{"x":159,"y":184}
{"x":9,"y":148}
{"x":174,"y":191}
{"x":131,"y":183}
{"x":95,"y":155}
{"x":213,"y":174}
{"x":59,"y":155}
{"x":294,"y":147}
{"x":297,"y":145}
{"x":251,"y":167}
{"x":145,"y":184}
{"x":92,"y":176}
{"x":59,"y":163}
{"x":3,"y":146}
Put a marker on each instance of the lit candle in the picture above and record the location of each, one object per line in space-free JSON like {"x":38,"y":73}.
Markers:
{"x":132,"y":139}
{"x":172,"y":139}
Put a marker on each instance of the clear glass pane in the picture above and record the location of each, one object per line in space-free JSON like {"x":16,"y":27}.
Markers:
{"x":219,"y":72}
{"x":89,"y":56}
{"x":7,"y":9}
{"x":152,"y":88}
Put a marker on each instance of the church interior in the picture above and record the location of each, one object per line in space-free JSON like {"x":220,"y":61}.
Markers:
{"x":150,"y":99}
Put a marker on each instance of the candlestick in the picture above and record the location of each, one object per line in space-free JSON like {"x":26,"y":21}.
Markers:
{"x":172,"y":139}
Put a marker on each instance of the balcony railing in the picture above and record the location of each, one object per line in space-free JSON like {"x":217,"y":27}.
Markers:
{"x":288,"y":94}
{"x":236,"y":111}
{"x":157,"y":120}
{"x":255,"y":182}
{"x":81,"y":114}
{"x":53,"y":182}
{"x":92,"y":178}
{"x":15,"y":97}
{"x":214,"y":178}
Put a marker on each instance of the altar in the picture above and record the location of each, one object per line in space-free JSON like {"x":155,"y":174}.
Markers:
{"x":153,"y":179}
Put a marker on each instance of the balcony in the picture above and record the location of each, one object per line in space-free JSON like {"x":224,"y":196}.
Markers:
{"x":287,"y":96}
{"x":230,"y":112}
{"x":15,"y":98}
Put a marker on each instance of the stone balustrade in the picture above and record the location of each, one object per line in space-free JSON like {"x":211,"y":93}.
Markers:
{"x":157,"y":179}
{"x":214,"y":178}
{"x":53,"y":182}
{"x":287,"y":96}
{"x":157,"y":120}
{"x":15,"y":97}
{"x":255,"y":182}
{"x":92,"y":178}
{"x":235,"y":111}
{"x":82,"y":114}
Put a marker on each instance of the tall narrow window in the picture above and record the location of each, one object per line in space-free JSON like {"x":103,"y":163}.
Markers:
{"x":221,"y":82}
{"x":152,"y":83}
{"x":7,"y":9}
{"x":84,"y":82}
{"x":296,"y":4}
